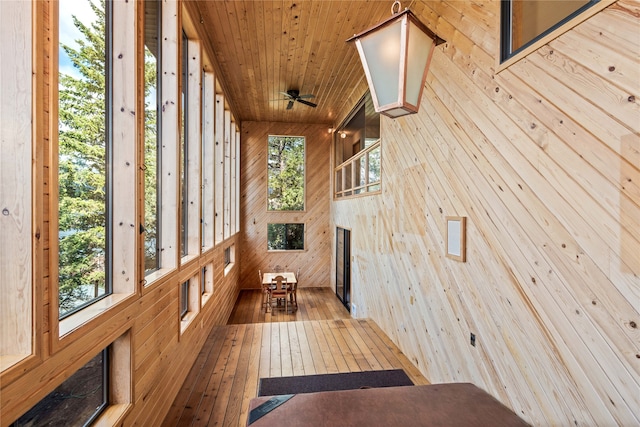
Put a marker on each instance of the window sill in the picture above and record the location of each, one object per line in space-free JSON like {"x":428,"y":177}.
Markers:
{"x":228,"y":268}
{"x":78,"y":319}
{"x":187,"y":258}
{"x":156,"y":276}
{"x":205,"y":298}
{"x":112,"y":415}
{"x":186,"y":321}
{"x":9,"y":360}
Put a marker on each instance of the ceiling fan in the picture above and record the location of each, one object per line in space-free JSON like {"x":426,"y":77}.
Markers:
{"x":293,"y":95}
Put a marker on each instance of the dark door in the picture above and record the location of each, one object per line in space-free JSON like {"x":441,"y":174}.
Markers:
{"x":343,"y":266}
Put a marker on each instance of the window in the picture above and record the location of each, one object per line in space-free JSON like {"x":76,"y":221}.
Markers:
{"x":227,"y":256}
{"x":219,"y":169}
{"x":184,"y":150}
{"x":84,"y":155}
{"x":285,"y":173}
{"x":203,"y":281}
{"x":77,"y":401}
{"x":285,"y":237}
{"x":206,"y":283}
{"x":226,"y":183}
{"x":523,"y":22}
{"x":189,"y":301}
{"x":357,"y":152}
{"x":152,"y":94}
{"x":208,"y":144}
{"x":184,"y":299}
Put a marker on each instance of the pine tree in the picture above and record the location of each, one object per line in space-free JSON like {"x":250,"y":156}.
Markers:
{"x":82,"y":167}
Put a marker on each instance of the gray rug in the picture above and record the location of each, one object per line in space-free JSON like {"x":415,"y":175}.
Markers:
{"x":331,"y":382}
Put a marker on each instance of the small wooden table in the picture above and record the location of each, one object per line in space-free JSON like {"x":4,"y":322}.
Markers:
{"x":267,"y":278}
{"x":457,"y":404}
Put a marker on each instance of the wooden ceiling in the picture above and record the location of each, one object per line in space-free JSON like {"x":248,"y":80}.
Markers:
{"x":263,"y":48}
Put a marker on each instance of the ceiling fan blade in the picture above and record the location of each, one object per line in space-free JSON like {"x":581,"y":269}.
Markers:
{"x":285,"y":94}
{"x":290,"y":105}
{"x":310,"y":104}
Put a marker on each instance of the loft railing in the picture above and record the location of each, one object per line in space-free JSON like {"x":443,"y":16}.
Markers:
{"x":360,"y":174}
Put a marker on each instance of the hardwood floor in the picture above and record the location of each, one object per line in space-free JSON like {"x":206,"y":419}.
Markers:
{"x":313,"y":304}
{"x":319,"y":338}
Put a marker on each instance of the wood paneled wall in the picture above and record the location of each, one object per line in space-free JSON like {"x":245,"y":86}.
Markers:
{"x":543,"y":158}
{"x":314,"y":260}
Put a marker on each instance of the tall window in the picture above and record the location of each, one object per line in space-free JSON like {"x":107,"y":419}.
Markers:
{"x":152,"y":93}
{"x":285,"y":171}
{"x":184,"y":149}
{"x":208,"y":159}
{"x":525,"y":21}
{"x":84,"y":72}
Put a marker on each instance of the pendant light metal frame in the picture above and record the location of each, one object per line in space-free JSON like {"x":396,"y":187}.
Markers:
{"x":400,"y":106}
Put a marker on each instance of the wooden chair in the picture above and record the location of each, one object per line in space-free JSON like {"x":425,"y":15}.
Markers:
{"x":266,"y":293}
{"x":281,"y":291}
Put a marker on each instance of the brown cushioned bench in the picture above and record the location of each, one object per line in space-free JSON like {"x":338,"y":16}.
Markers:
{"x":457,"y":404}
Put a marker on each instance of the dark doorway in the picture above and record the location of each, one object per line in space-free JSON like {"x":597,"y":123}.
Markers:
{"x":343,"y":266}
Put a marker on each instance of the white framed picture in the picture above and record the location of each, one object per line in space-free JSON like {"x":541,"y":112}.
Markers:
{"x":456,"y":238}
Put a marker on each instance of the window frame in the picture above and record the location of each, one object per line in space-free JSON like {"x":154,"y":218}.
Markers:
{"x":108,"y":167}
{"x":184,"y":299}
{"x":125,"y":170}
{"x":117,"y":374}
{"x":184,"y":145}
{"x":229,"y":260}
{"x":304,"y":173}
{"x":169,"y":145}
{"x":208,"y":160}
{"x":286,"y":224}
{"x":206,"y":283}
{"x":346,"y":179}
{"x":506,"y":58}
{"x":158,"y":141}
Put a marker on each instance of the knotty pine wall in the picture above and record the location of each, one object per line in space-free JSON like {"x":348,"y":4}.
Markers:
{"x":543,"y":158}
{"x":314,"y":260}
{"x":159,"y":357}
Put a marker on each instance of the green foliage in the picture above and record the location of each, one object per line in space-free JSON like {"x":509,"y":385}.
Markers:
{"x":150,"y":162}
{"x":285,"y":237}
{"x":285,"y":173}
{"x":82,"y":168}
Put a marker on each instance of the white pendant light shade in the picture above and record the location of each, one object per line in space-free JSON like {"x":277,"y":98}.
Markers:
{"x":395,"y":55}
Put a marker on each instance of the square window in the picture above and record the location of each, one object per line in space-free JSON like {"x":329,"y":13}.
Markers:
{"x":285,"y":237}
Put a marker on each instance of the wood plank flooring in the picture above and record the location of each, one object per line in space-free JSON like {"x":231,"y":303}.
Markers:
{"x":319,"y":338}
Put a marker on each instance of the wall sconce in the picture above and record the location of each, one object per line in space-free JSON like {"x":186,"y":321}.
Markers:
{"x":343,"y":135}
{"x":395,"y":55}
